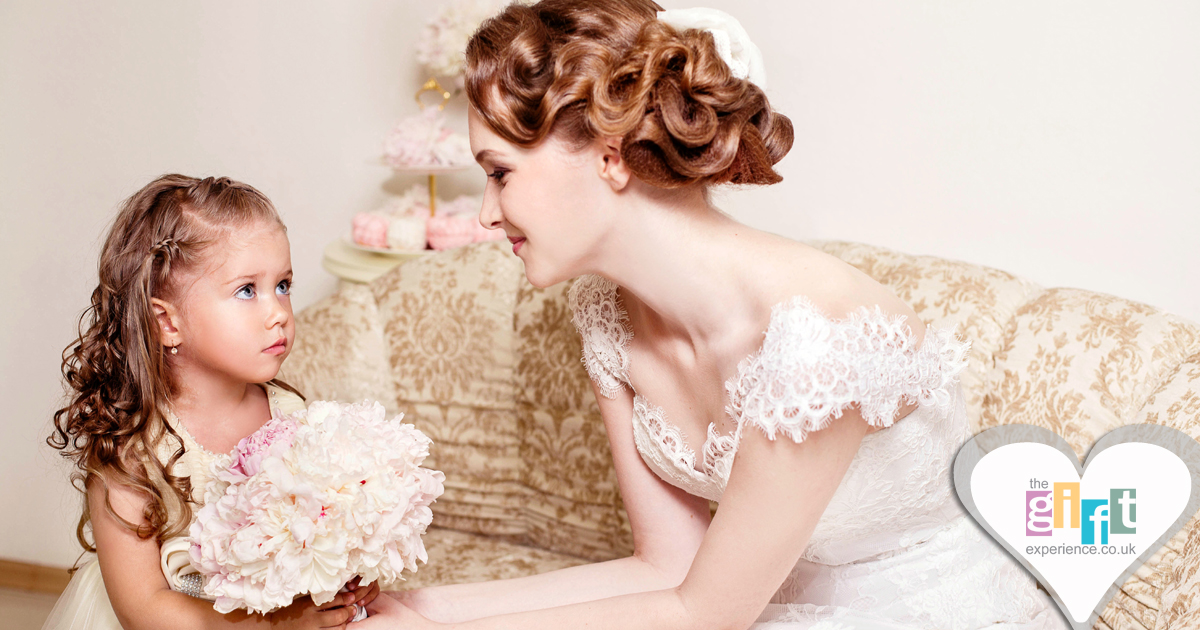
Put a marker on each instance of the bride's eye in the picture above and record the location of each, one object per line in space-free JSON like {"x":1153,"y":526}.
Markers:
{"x":284,"y":287}
{"x":245,"y":292}
{"x":498,"y":176}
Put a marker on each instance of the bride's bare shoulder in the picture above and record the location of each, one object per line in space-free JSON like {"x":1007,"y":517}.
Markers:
{"x":834,"y":286}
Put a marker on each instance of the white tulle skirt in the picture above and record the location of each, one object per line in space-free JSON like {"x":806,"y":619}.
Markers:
{"x":812,"y":617}
{"x":958,"y":578}
{"x":84,"y":604}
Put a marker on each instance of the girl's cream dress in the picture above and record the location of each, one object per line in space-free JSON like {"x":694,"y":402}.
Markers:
{"x":84,"y":604}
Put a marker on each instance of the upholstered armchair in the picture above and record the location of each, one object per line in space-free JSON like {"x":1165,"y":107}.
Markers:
{"x":489,"y":367}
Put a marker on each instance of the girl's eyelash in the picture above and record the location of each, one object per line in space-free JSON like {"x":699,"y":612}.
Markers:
{"x":498,"y":175}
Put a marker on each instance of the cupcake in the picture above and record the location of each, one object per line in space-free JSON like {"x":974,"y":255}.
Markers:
{"x":370,"y":230}
{"x":406,"y":233}
{"x":398,"y":224}
{"x":447,"y":231}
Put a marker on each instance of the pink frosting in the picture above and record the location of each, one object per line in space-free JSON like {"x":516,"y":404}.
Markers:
{"x":449,"y":231}
{"x":370,"y":230}
{"x":457,"y":224}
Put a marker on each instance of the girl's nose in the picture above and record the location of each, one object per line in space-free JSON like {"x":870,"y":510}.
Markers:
{"x":280,"y":313}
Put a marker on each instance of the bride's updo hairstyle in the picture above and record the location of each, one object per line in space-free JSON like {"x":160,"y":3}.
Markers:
{"x":598,"y":68}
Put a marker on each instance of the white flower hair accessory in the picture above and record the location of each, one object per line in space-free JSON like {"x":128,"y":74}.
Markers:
{"x":733,"y":43}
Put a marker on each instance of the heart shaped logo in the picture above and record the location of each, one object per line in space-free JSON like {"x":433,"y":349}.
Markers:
{"x":1080,"y":530}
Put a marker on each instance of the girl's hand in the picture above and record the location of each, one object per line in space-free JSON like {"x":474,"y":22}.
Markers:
{"x":363,"y":595}
{"x":303,"y":614}
{"x":388,"y":613}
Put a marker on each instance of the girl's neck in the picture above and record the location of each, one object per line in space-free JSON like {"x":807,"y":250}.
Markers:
{"x":218,"y":411}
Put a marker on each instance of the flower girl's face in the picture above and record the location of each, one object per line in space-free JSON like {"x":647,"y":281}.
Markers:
{"x":236,"y":318}
{"x":547,"y":199}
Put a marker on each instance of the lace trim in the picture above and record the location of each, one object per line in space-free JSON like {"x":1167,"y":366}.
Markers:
{"x":604,"y":330}
{"x":668,"y":436}
{"x":811,"y":368}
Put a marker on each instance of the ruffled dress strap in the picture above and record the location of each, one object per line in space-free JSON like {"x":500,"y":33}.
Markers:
{"x":810,"y":368}
{"x":604,"y":331}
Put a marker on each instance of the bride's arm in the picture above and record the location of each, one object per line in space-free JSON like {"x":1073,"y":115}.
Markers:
{"x":777,"y":492}
{"x":668,"y":526}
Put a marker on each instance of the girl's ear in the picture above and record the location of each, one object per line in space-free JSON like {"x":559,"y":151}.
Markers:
{"x":612,"y":166}
{"x":168,"y":322}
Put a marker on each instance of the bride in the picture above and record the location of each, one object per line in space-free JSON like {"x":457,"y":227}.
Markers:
{"x":729,"y":364}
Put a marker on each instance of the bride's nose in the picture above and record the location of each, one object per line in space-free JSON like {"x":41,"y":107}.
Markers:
{"x":490,"y":215}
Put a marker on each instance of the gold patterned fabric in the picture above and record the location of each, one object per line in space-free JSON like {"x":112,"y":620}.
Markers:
{"x":338,"y":353}
{"x":456,"y":557}
{"x":490,"y":368}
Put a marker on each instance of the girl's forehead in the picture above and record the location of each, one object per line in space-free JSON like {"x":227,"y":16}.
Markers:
{"x":259,"y":247}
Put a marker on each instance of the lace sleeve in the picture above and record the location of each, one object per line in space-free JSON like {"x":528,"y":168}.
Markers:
{"x":604,"y":331}
{"x":811,"y":368}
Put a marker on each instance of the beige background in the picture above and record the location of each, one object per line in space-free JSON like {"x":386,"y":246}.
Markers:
{"x":1058,"y":142}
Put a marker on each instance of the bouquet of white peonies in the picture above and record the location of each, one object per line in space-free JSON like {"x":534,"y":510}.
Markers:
{"x":310,"y":501}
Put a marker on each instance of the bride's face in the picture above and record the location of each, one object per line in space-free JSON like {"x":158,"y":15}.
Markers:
{"x":548,"y":199}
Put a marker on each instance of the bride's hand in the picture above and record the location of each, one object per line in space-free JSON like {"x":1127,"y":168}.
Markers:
{"x":386,"y":612}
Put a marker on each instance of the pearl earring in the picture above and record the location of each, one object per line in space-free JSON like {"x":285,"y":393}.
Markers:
{"x":174,"y":350}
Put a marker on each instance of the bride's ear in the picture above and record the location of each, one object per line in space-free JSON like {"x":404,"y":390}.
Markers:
{"x":612,"y":167}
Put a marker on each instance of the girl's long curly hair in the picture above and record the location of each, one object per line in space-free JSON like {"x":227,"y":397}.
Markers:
{"x":594,"y":68}
{"x":117,"y":371}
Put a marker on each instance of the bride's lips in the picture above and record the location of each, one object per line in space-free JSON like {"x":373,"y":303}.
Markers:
{"x":278,"y":347}
{"x":516,"y":241}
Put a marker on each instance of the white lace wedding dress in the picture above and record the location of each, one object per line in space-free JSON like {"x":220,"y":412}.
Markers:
{"x":894,"y":549}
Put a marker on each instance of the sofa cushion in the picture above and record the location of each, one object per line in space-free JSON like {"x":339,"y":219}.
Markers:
{"x":574,"y":503}
{"x":338,"y":353}
{"x":488,"y":367}
{"x":1081,"y":363}
{"x":456,"y":557}
{"x":447,"y":323}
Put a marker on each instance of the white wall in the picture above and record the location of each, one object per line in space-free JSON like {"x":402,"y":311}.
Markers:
{"x":1054,"y":140}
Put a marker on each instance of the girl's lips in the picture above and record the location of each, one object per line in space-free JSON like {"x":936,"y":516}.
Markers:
{"x":516,"y":243}
{"x":278,"y":348}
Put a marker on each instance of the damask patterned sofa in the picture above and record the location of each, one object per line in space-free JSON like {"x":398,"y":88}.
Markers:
{"x":489,"y":367}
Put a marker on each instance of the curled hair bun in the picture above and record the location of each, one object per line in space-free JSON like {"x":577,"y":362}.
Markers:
{"x":610,"y":68}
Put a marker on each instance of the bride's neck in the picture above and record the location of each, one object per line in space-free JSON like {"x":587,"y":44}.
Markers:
{"x":685,"y":266}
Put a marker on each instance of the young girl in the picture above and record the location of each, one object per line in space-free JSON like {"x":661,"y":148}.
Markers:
{"x":175,"y":362}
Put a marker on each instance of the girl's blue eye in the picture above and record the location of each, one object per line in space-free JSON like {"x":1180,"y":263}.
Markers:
{"x":245,"y":292}
{"x":284,"y":287}
{"x":498,"y":175}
